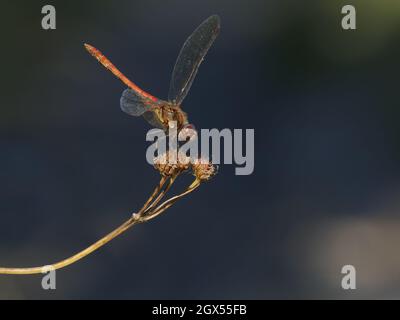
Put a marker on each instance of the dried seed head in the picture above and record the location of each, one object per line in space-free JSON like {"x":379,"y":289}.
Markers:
{"x":188,"y":131}
{"x":203,"y":169}
{"x":171,"y":162}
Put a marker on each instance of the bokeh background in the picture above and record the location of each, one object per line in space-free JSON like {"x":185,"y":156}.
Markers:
{"x":326,"y":187}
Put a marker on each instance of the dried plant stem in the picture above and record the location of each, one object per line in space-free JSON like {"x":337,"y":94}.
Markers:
{"x":126,"y":225}
{"x":135,"y":219}
{"x":168,"y":203}
{"x":161,"y":194}
{"x":155,"y":192}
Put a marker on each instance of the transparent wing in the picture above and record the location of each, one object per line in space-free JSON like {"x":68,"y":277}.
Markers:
{"x":191,"y":55}
{"x":135,"y":104}
{"x":153,"y":120}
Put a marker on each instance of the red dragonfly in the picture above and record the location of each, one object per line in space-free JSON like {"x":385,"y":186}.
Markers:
{"x":136,"y":102}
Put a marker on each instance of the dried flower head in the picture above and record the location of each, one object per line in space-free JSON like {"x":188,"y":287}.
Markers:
{"x":203,"y":169}
{"x":171,"y":162}
{"x":186,"y":132}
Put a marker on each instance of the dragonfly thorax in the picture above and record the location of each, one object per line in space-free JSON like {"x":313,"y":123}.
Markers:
{"x":170,"y":112}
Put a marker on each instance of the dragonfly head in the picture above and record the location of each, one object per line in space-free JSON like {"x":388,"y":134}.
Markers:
{"x":170,"y":114}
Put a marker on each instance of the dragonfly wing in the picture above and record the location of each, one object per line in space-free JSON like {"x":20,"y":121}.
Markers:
{"x":135,"y":104}
{"x":153,"y":119}
{"x":191,"y":55}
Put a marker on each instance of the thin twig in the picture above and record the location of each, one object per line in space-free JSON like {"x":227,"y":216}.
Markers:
{"x":168,"y":203}
{"x":161,"y":195}
{"x":34,"y":270}
{"x":135,"y":219}
{"x":155,"y":192}
{"x":145,"y":214}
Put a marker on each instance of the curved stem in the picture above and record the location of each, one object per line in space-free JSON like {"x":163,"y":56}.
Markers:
{"x":168,"y":203}
{"x":34,"y":270}
{"x":137,"y":218}
{"x":155,"y":192}
{"x":161,"y":195}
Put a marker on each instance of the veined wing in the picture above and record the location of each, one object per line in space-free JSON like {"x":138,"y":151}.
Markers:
{"x":153,"y":120}
{"x":191,"y":55}
{"x":135,"y":104}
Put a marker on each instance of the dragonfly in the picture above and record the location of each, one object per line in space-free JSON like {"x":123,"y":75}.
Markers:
{"x":160,"y":113}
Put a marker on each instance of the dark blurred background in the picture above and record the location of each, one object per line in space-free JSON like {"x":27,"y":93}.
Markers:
{"x":326,"y":187}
